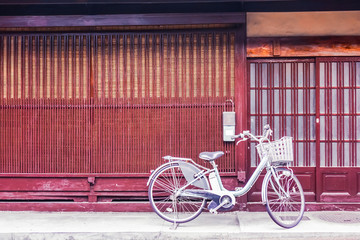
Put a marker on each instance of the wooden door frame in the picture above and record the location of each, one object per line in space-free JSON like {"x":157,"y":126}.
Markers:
{"x":340,"y":178}
{"x":337,"y":175}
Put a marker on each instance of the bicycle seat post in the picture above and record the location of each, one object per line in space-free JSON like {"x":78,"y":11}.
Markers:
{"x":213,"y":164}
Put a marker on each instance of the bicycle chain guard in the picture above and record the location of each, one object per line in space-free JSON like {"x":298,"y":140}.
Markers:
{"x":190,"y":172}
{"x":217,"y":201}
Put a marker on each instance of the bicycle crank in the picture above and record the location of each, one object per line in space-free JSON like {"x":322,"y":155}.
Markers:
{"x":224,"y":203}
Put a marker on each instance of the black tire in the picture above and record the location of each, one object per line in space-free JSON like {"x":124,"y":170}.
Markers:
{"x":286,"y":207}
{"x":162,"y":190}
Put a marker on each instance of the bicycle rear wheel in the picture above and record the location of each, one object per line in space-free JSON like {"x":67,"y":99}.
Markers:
{"x":285,"y":201}
{"x":164,"y":200}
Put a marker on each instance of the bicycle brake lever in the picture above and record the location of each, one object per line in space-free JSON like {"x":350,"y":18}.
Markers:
{"x":237,"y":136}
{"x":167,"y":158}
{"x":242,"y":140}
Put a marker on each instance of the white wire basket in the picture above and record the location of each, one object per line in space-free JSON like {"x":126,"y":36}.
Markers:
{"x":280,"y":151}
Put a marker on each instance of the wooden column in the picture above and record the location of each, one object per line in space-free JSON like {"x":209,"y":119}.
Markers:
{"x":241,"y":101}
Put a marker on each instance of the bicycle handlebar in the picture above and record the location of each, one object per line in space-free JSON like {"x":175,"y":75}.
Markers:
{"x":246,"y":135}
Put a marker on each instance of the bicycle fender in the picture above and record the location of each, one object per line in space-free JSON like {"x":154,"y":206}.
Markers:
{"x":189,"y":172}
{"x":263,"y":197}
{"x":157,"y":170}
{"x":268,"y":174}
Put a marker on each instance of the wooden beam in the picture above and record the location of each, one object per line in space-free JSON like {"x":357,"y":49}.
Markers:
{"x":303,"y":24}
{"x":303,"y":46}
{"x":121,"y":19}
{"x":77,"y":206}
{"x":59,"y":7}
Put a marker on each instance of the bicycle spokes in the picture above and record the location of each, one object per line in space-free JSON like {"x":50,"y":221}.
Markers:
{"x":166,"y":199}
{"x":284,"y":198}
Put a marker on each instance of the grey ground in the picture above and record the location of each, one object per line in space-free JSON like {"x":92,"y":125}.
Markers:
{"x":233,"y":225}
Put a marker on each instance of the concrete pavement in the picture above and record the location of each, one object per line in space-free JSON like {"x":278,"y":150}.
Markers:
{"x":232,"y":225}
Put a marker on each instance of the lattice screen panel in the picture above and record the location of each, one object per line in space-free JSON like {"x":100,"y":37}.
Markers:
{"x":283,"y":94}
{"x":339,"y":105}
{"x":112,"y":102}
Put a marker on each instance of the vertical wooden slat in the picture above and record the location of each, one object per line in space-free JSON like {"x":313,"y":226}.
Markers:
{"x":8,"y":68}
{"x":210,"y":66}
{"x":353,"y":125}
{"x":2,"y":68}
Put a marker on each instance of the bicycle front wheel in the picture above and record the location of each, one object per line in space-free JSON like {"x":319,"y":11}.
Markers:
{"x":285,"y":201}
{"x":164,"y":198}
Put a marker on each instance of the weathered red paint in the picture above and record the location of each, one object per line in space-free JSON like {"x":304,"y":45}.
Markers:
{"x":302,"y":46}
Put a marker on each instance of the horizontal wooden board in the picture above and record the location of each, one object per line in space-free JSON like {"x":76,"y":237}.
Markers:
{"x":43,"y":184}
{"x":120,"y":19}
{"x":303,"y":46}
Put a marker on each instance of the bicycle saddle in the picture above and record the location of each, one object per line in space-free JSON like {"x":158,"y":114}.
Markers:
{"x":210,"y":156}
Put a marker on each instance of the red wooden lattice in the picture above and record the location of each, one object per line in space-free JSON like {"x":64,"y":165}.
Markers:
{"x":112,"y":102}
{"x":317,"y":102}
{"x":339,"y":111}
{"x":282,"y":94}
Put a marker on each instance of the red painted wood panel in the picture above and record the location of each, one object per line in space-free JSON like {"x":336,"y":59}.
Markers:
{"x":43,"y":184}
{"x":339,"y":185}
{"x":306,"y":176}
{"x":120,"y":184}
{"x":77,"y":207}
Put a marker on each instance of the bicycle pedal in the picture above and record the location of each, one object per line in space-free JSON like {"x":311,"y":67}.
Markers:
{"x":213,"y":211}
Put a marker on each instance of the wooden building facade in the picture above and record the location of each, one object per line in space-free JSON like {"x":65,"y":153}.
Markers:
{"x":90,"y":103}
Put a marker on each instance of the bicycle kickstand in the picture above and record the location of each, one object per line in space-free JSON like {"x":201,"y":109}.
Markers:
{"x":174,"y":226}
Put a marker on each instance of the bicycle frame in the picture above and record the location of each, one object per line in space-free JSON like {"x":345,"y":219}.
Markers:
{"x":209,"y":194}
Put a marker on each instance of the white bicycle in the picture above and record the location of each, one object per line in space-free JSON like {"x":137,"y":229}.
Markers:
{"x":179,"y":189}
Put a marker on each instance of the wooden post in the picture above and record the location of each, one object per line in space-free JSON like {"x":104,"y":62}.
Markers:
{"x":241,"y":104}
